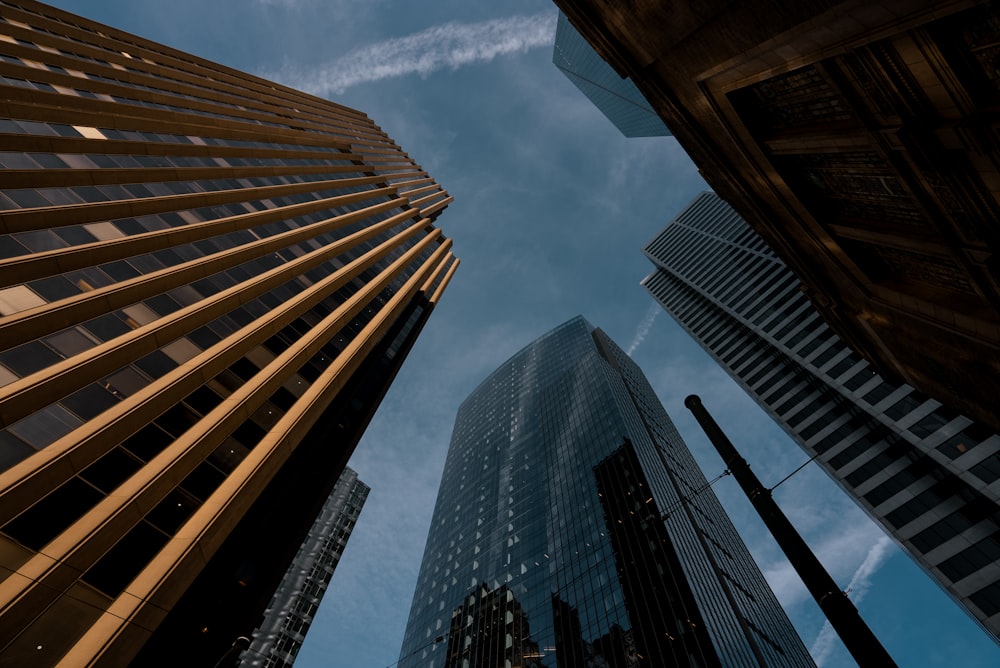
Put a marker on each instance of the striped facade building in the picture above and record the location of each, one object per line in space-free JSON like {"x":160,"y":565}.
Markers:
{"x":928,"y":475}
{"x":207,"y":283}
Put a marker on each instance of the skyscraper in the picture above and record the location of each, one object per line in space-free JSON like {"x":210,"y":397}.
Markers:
{"x":207,"y":283}
{"x":290,"y":613}
{"x":921,"y":470}
{"x":573,"y":527}
{"x":614,"y":95}
{"x":856,"y":139}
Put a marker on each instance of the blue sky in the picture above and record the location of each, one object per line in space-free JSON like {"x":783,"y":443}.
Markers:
{"x":552,"y":207}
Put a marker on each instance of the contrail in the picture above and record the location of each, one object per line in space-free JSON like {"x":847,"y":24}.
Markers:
{"x":447,"y":46}
{"x":879,"y":552}
{"x":642,"y":331}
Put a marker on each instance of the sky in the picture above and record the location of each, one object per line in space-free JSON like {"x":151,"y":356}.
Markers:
{"x":552,"y":208}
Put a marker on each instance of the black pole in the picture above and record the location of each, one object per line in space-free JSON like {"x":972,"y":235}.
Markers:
{"x":844,"y":618}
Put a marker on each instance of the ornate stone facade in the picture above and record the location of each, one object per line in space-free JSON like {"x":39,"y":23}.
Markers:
{"x":860,"y":141}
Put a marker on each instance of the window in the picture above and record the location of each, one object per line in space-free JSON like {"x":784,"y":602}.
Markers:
{"x":814,"y":406}
{"x":45,"y":520}
{"x":921,"y":503}
{"x":988,"y":599}
{"x":828,"y":354}
{"x":859,"y":379}
{"x":904,"y":406}
{"x":90,"y":401}
{"x":126,"y":559}
{"x":834,"y":437}
{"x":957,"y":522}
{"x":987,"y":470}
{"x":881,"y":391}
{"x":72,"y":341}
{"x":866,"y":442}
{"x":963,"y":441}
{"x":104,"y":231}
{"x":933,"y":421}
{"x":45,"y":426}
{"x":971,"y":559}
{"x":816,"y":425}
{"x":18,"y":298}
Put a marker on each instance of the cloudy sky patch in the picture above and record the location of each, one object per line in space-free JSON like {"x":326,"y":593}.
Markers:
{"x":825,"y":642}
{"x":642,"y":331}
{"x":447,"y":46}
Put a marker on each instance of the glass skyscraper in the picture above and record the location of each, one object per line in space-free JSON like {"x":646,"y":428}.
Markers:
{"x":927,"y":474}
{"x":615,"y":96}
{"x":290,"y":613}
{"x":207,"y":283}
{"x":574,"y":528}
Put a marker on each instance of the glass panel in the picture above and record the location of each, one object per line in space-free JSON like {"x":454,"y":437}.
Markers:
{"x":104,"y":231}
{"x":90,"y":401}
{"x":18,"y":298}
{"x":138,"y":315}
{"x":29,"y":358}
{"x":125,"y":382}
{"x":45,"y":426}
{"x":72,"y":341}
{"x":181,"y":350}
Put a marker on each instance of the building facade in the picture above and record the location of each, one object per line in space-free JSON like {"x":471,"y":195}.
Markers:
{"x":290,"y":613}
{"x":574,"y":528}
{"x":616,"y":97}
{"x":857,"y":139}
{"x":928,"y":475}
{"x":207,"y":283}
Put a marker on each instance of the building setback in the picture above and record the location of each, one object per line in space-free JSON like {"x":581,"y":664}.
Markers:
{"x":857,"y":139}
{"x":207,"y":283}
{"x":616,"y":97}
{"x":277,"y":640}
{"x":925,"y":473}
{"x":547,"y":548}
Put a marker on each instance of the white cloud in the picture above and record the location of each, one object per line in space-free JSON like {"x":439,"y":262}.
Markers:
{"x":878,"y":553}
{"x":839,"y":550}
{"x":446,"y":46}
{"x":642,"y":331}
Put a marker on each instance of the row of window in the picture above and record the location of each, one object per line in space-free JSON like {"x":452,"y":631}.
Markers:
{"x":113,"y":67}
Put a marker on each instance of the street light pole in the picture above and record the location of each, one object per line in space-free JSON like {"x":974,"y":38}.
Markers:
{"x":864,"y":647}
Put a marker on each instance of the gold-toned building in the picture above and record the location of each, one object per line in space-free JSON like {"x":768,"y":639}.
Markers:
{"x":207,"y":283}
{"x":860,"y":140}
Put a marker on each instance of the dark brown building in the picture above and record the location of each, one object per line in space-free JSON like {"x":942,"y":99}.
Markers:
{"x":860,"y":140}
{"x":207,"y":283}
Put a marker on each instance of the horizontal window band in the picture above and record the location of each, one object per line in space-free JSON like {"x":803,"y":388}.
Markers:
{"x":160,"y":85}
{"x":209,"y":109}
{"x":23,"y":268}
{"x":168,"y":63}
{"x":43,"y":218}
{"x":23,"y":396}
{"x":98,"y":113}
{"x":69,"y":178}
{"x":57,"y":144}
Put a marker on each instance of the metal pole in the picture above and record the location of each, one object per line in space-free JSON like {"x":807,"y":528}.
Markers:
{"x":864,"y":647}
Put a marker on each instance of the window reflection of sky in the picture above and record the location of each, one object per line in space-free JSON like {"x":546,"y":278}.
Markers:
{"x":519,"y":512}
